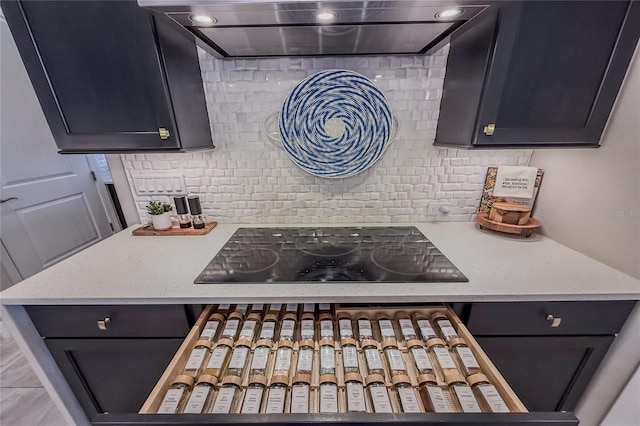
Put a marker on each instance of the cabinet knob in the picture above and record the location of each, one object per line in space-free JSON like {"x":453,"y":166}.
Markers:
{"x":555,"y":321}
{"x":489,"y":129}
{"x":102,"y":324}
{"x":164,"y":133}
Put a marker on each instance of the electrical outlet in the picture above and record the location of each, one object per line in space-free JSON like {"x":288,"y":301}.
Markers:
{"x":438,"y":209}
{"x":158,"y":183}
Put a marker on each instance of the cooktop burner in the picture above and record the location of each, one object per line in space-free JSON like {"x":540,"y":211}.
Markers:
{"x":370,"y":254}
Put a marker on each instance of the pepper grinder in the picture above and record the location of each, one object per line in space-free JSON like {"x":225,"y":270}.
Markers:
{"x":183,"y":214}
{"x":196,"y":212}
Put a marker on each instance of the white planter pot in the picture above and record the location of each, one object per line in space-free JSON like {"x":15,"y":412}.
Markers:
{"x":162,"y":221}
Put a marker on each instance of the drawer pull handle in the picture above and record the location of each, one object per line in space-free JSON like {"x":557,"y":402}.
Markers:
{"x":102,"y":324}
{"x":555,"y":321}
{"x":489,"y":129}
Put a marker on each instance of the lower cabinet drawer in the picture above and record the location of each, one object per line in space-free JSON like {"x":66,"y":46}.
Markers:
{"x":111,"y":321}
{"x":517,"y":414}
{"x":548,"y":318}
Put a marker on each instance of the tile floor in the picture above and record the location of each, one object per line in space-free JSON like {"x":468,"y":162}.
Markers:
{"x":23,"y":400}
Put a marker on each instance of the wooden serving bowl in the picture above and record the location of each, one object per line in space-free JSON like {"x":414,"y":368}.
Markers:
{"x":510,"y":213}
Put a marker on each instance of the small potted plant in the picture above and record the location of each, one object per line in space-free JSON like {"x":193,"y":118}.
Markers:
{"x":160,"y":215}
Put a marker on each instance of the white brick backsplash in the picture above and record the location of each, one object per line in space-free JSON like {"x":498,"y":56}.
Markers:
{"x":249,"y":179}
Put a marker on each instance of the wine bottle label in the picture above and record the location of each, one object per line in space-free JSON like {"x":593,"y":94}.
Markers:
{"x":239,"y":357}
{"x":309,"y":308}
{"x":406,"y":326}
{"x":444,"y":358}
{"x":252,"y":401}
{"x":300,"y":399}
{"x":195,"y":359}
{"x":248,"y":328}
{"x":286,"y":332}
{"x":268,"y":329}
{"x":292,"y":307}
{"x":257,"y":307}
{"x":493,"y":398}
{"x":467,"y":358}
{"x":324,"y":307}
{"x":380,"y":399}
{"x":437,"y":399}
{"x":224,"y":307}
{"x":260,"y":357}
{"x":242,"y":308}
{"x":355,"y":398}
{"x":326,"y":329}
{"x":307,"y":329}
{"x":305,"y":360}
{"x":349,"y":356}
{"x":224,"y":400}
{"x":283,"y":359}
{"x":209,"y":330}
{"x":328,"y":398}
{"x":345,"y":328}
{"x":395,"y":359}
{"x":197,"y":399}
{"x":386,"y":328}
{"x":467,"y":400}
{"x":231,"y":328}
{"x":364,"y":329}
{"x":275,"y":400}
{"x":327,"y":358}
{"x":373,"y":359}
{"x":217,"y":357}
{"x":426,"y":330}
{"x":421,"y":358}
{"x":170,"y":402}
{"x":409,"y":400}
{"x":447,"y":329}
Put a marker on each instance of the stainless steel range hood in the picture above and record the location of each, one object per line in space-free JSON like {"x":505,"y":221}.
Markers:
{"x":232,"y":28}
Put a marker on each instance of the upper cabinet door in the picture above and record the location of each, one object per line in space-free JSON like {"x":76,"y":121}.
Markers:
{"x":97,"y":72}
{"x":556,"y":74}
{"x":545,"y":73}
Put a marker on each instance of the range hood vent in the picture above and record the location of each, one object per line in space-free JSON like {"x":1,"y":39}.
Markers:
{"x":241,"y":29}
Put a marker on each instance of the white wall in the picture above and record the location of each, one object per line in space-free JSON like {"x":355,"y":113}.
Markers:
{"x":247,"y":179}
{"x":590,"y":201}
{"x":626,"y":410}
{"x":590,"y":198}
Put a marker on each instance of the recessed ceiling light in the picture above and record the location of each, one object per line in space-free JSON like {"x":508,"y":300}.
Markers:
{"x":451,"y":13}
{"x":326,"y":15}
{"x":202,"y":19}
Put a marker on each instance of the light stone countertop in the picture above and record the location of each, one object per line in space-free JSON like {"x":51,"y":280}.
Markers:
{"x":124,"y":269}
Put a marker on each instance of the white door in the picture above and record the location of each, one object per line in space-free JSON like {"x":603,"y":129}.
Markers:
{"x":49,"y":203}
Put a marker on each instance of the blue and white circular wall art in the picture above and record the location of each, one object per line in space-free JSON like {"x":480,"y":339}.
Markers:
{"x":335,"y":124}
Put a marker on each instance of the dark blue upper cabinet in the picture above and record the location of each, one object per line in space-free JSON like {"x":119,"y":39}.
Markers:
{"x":537,"y":74}
{"x":111,"y":77}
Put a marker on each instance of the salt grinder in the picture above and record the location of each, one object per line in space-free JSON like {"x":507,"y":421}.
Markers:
{"x":196,"y":212}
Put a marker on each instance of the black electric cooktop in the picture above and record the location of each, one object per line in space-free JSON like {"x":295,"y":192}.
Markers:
{"x":370,"y":254}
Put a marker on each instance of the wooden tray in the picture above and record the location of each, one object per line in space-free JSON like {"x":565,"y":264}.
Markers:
{"x":526,"y":230}
{"x":175,"y":230}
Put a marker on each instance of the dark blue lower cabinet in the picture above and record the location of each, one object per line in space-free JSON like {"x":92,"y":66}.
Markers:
{"x":112,"y":375}
{"x":558,"y":368}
